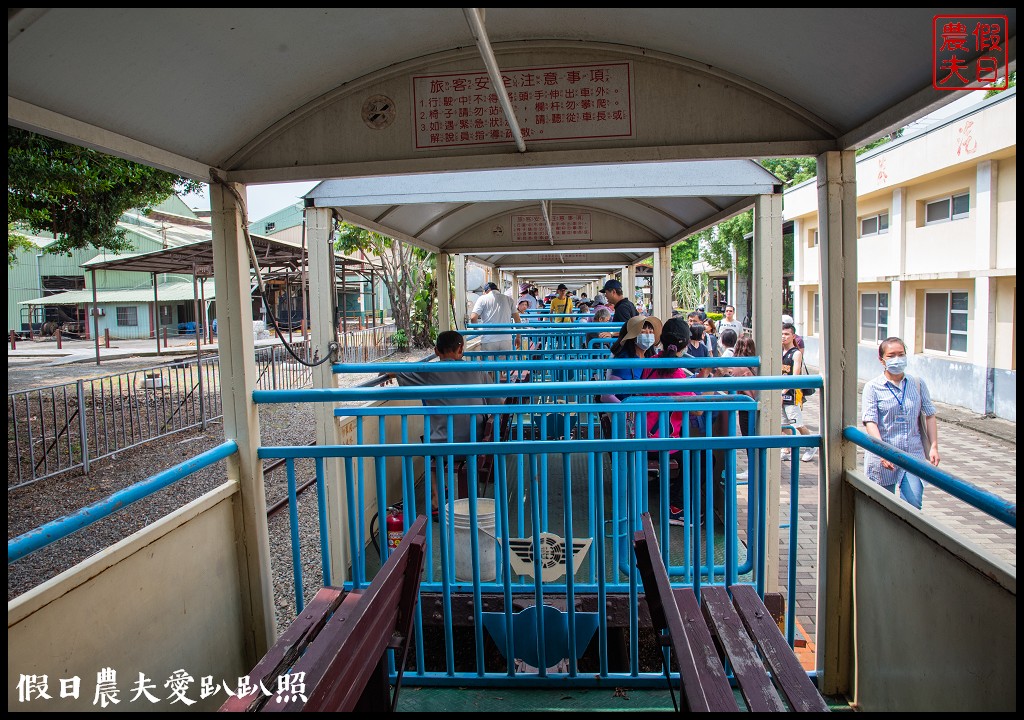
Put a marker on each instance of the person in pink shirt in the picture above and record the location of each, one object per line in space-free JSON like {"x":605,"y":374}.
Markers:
{"x":675,"y":335}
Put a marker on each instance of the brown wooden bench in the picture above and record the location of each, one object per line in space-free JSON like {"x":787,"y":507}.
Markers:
{"x":340,"y":641}
{"x":702,"y":636}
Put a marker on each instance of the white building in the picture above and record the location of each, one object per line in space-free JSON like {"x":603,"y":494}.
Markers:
{"x":937,"y":256}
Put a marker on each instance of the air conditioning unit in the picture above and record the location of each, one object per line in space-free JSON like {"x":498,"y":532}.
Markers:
{"x":98,"y":312}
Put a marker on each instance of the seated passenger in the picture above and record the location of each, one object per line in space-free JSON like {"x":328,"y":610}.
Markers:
{"x":675,"y":335}
{"x":602,"y":315}
{"x":449,"y":347}
{"x":637,"y":338}
{"x":744,"y":348}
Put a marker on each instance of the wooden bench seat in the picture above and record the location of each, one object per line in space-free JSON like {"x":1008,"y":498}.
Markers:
{"x":739,"y":630}
{"x":340,"y":642}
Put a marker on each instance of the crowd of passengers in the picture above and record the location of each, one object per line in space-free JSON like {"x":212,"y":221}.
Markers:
{"x":639,"y":337}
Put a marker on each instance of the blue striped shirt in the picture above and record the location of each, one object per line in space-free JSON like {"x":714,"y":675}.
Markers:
{"x":895,"y":409}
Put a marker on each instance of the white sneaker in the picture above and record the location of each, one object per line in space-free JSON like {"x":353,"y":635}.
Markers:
{"x":809,"y":454}
{"x":742,"y":475}
{"x":786,"y":455}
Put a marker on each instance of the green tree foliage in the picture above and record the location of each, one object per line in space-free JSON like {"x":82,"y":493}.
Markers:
{"x":791,"y":171}
{"x":716,"y":245}
{"x":407,"y":272}
{"x":1012,"y":83}
{"x":880,"y":141}
{"x":77,"y":194}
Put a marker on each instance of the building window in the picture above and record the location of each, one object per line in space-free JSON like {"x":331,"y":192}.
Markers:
{"x":812,"y":240}
{"x":127,"y":317}
{"x":875,"y":225}
{"x":944,"y":209}
{"x":945,"y":322}
{"x":874,"y":317}
{"x":817,"y":315}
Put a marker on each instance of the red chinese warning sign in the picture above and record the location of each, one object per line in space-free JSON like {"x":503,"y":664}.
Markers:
{"x":564,"y":226}
{"x":982,"y":38}
{"x":569,"y":102}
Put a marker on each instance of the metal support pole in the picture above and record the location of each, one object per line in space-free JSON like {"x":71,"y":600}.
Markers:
{"x":207,"y":332}
{"x":373,"y":298}
{"x":199,"y":354}
{"x":156,"y":312}
{"x":95,"y":318}
{"x":304,"y":280}
{"x":83,"y":433}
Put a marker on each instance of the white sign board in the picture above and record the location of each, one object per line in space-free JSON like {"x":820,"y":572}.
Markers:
{"x":565,"y":102}
{"x":531,"y":228}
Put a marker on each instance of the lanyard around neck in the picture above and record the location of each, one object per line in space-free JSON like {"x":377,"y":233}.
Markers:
{"x":902,"y":396}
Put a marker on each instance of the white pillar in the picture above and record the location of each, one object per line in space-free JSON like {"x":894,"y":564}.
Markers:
{"x":241,"y":420}
{"x":982,"y":331}
{"x":898,"y":243}
{"x":897,"y":230}
{"x":629,"y":282}
{"x":661,"y":283}
{"x":986,"y":212}
{"x":799,"y":277}
{"x":767,"y":304}
{"x":322,"y":290}
{"x":461,"y":312}
{"x":982,"y":338}
{"x":444,"y":308}
{"x":837,"y":208}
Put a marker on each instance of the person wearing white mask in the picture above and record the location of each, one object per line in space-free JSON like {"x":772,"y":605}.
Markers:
{"x":892,"y":404}
{"x":636,"y":339}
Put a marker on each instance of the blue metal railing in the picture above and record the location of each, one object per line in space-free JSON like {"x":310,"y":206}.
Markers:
{"x":995,"y":506}
{"x":51,"y":532}
{"x":564,"y":428}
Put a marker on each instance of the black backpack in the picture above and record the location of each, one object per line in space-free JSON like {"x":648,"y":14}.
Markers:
{"x":807,"y":392}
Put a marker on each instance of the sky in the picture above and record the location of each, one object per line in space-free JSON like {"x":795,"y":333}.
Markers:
{"x":265,"y":200}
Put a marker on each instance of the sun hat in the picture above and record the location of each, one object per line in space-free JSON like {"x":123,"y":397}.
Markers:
{"x":636,"y":324}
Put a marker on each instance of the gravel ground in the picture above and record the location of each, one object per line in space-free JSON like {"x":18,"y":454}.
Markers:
{"x":52,"y":498}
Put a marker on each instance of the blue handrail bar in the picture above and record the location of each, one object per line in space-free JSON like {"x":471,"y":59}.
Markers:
{"x":51,"y":532}
{"x":504,"y":365}
{"x":541,"y":447}
{"x":987,"y":502}
{"x":592,"y":387}
{"x":546,"y":326}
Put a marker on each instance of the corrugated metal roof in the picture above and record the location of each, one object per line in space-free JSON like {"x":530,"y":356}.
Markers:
{"x":282,"y":219}
{"x":170,"y":292}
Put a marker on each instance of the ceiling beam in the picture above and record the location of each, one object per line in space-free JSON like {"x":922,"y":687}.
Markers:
{"x":368,"y":224}
{"x":46,"y":122}
{"x":475,"y":18}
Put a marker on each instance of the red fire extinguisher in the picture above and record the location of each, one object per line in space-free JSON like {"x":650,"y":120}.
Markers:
{"x":394,"y":525}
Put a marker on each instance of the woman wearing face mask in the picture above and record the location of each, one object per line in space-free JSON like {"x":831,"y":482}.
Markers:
{"x":892,"y":405}
{"x":696,"y":347}
{"x":637,"y":338}
{"x":674,"y":337}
